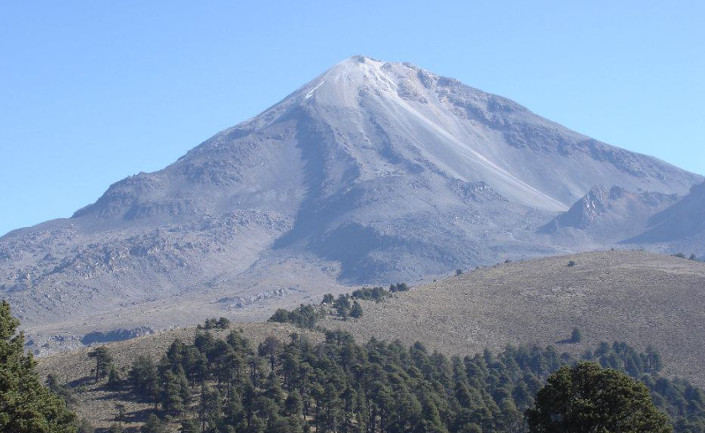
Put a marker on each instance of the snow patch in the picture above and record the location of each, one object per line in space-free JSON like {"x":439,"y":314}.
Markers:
{"x":310,"y":93}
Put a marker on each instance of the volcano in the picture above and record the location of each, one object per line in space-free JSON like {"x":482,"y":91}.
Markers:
{"x":372,"y":173}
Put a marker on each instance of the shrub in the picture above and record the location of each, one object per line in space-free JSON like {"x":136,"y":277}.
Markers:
{"x":576,"y":336}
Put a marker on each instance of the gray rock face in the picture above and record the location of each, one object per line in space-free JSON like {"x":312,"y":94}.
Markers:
{"x":607,"y":215}
{"x":681,"y":225}
{"x":371,"y":173}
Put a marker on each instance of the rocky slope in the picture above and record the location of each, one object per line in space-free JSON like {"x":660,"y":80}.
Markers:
{"x":680,"y":226}
{"x":605,"y":216}
{"x":372,"y":172}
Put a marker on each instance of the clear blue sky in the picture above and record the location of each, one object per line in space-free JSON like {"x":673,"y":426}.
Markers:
{"x":94,"y":91}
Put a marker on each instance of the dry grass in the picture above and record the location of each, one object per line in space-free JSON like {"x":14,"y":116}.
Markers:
{"x":641,"y":298}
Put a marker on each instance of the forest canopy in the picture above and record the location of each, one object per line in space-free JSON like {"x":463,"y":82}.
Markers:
{"x":230,"y":385}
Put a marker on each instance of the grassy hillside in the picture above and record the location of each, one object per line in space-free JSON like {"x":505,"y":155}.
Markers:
{"x":641,"y":298}
{"x":100,"y":405}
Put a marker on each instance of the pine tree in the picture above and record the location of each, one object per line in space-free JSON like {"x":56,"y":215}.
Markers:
{"x":114,"y":379}
{"x":576,"y":336}
{"x":61,"y":390}
{"x":103,"y":362}
{"x":270,"y":348}
{"x":144,"y":378}
{"x":172,"y":401}
{"x":356,"y":311}
{"x":25,"y":405}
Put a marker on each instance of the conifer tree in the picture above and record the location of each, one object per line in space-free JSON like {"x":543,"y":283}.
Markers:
{"x":356,"y":311}
{"x":103,"y":362}
{"x":144,"y":378}
{"x":25,"y":405}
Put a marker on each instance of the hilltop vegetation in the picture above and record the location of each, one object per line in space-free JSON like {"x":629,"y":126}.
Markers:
{"x":344,"y":306}
{"x":229,"y":384}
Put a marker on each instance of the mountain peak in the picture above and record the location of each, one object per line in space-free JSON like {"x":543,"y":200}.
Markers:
{"x":372,"y":172}
{"x":358,"y":77}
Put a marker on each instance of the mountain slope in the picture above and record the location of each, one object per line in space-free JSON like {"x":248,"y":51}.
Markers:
{"x":606,"y":216}
{"x":372,"y":172}
{"x":641,"y":298}
{"x":682,"y":224}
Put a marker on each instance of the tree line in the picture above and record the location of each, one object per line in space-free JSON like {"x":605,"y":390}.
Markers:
{"x":229,"y":385}
{"x":344,"y":306}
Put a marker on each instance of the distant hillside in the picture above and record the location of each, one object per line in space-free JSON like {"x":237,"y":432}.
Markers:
{"x":680,"y":225}
{"x":642,"y":298}
{"x":606,"y":216}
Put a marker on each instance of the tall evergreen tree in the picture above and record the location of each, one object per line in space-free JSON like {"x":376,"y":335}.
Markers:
{"x":25,"y":405}
{"x":356,"y":310}
{"x":144,"y":378}
{"x":103,"y":362}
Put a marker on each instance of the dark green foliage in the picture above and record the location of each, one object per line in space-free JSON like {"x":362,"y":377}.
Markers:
{"x":222,"y":323}
{"x":114,"y":379}
{"x":103,"y":362}
{"x":398,"y":287}
{"x":144,"y":379}
{"x":189,"y":426}
{"x":379,"y":387}
{"x":154,"y":425}
{"x":356,"y":310}
{"x":61,"y":390}
{"x":376,"y":294}
{"x":26,"y":406}
{"x":305,"y":316}
{"x":576,"y":336}
{"x":571,"y":263}
{"x":586,"y":398}
{"x":344,"y":306}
